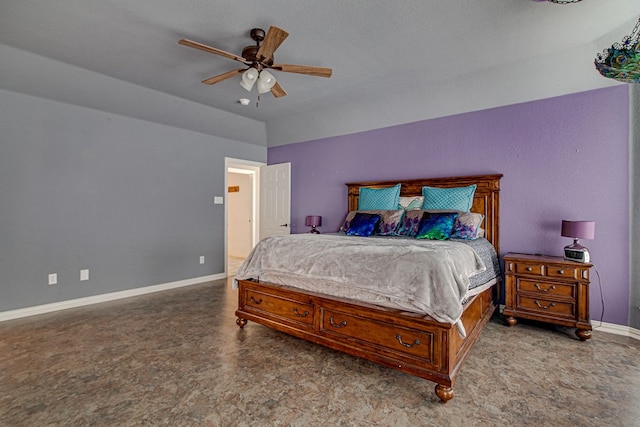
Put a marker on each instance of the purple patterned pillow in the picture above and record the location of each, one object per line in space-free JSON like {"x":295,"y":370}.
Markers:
{"x":467,"y":226}
{"x":389,"y":222}
{"x":410,"y":223}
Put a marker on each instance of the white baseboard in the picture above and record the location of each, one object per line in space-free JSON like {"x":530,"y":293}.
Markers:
{"x":611,"y":328}
{"x":79,"y":302}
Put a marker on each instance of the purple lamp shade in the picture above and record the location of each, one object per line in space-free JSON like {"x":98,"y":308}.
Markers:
{"x":578,"y":229}
{"x":313,"y":221}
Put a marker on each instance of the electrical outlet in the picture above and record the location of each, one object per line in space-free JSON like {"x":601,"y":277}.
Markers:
{"x":218,"y":200}
{"x":84,"y":275}
{"x":202,"y":259}
{"x":53,"y":278}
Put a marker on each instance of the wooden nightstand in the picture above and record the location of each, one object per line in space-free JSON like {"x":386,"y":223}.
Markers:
{"x":548,"y":289}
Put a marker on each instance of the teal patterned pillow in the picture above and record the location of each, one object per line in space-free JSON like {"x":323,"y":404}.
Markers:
{"x":379,"y":198}
{"x":363,"y":224}
{"x":436,"y":226}
{"x":455,"y":198}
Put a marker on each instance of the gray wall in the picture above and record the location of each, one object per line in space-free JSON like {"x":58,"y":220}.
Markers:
{"x":130,"y":200}
{"x":634,"y":206}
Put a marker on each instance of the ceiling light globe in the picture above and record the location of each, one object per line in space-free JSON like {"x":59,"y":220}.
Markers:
{"x":265,"y":82}
{"x":249,"y":78}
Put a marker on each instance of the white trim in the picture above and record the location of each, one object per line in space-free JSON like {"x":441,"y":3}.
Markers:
{"x":610,"y":328}
{"x":242,"y":166}
{"x":96,"y":299}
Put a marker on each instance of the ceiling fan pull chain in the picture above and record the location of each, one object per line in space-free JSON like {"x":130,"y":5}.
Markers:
{"x":258,"y":100}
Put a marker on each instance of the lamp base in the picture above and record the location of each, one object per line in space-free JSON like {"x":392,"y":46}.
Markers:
{"x":576,"y":252}
{"x":313,"y":230}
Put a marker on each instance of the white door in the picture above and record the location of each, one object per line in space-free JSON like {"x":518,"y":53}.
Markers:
{"x":275,"y":200}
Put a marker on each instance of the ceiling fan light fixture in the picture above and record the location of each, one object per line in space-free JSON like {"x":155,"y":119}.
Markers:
{"x":266,"y":81}
{"x":249,"y":78}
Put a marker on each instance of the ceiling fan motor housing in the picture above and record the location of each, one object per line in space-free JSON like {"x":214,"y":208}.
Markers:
{"x":250,"y":53}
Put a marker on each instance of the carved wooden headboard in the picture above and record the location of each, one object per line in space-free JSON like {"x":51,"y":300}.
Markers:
{"x":486,"y":199}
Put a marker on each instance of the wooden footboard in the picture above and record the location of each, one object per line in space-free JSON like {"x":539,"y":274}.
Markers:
{"x":401,"y":340}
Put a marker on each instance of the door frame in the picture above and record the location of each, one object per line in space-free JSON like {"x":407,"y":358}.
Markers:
{"x":251,"y":168}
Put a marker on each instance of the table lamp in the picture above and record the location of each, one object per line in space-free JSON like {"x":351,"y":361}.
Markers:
{"x":577,"y":230}
{"x":313,"y":221}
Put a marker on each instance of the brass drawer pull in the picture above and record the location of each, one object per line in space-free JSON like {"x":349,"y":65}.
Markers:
{"x":337,"y":325}
{"x":529,"y":269}
{"x":551,"y":288}
{"x":553,"y":304}
{"x":304,"y":314}
{"x":253,"y":300}
{"x":415,"y":342}
{"x":560,"y":271}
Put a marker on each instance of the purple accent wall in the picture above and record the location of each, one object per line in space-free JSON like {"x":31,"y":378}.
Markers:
{"x":562,"y":158}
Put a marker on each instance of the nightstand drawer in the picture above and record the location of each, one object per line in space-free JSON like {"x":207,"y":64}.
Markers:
{"x":559,"y":271}
{"x":546,"y":288}
{"x":553,"y":308}
{"x":529,"y":268}
{"x":549,"y":270}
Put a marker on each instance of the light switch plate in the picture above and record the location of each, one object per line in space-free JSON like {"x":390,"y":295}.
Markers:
{"x":218,"y":200}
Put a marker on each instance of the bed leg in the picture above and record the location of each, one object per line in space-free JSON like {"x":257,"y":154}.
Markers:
{"x":241,"y":322}
{"x":444,"y":393}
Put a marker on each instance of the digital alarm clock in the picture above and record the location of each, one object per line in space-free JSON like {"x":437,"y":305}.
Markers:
{"x":576,"y":254}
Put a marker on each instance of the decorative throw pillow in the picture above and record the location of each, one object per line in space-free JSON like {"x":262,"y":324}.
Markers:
{"x":363,"y":224}
{"x":467,"y":226}
{"x":436,"y":226}
{"x":347,"y":221}
{"x":455,"y":198}
{"x":389,"y":221}
{"x":410,"y":203}
{"x":379,"y":198}
{"x":410,"y":223}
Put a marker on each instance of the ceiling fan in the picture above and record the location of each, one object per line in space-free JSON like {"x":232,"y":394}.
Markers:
{"x":258,"y":58}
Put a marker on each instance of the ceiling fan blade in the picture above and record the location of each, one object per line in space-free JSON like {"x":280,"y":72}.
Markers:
{"x":303,"y":69}
{"x":274,"y":38}
{"x":221,"y":77}
{"x":204,"y":47}
{"x":277,"y":90}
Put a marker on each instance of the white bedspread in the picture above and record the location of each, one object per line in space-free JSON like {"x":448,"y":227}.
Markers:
{"x":424,"y":276}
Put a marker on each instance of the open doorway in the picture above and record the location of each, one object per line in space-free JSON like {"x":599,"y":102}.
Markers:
{"x":241,"y":216}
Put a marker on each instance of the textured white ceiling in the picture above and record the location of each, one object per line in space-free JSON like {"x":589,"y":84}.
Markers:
{"x":373,"y":46}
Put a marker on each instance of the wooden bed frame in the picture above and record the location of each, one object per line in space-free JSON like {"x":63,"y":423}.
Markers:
{"x":410,"y":342}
